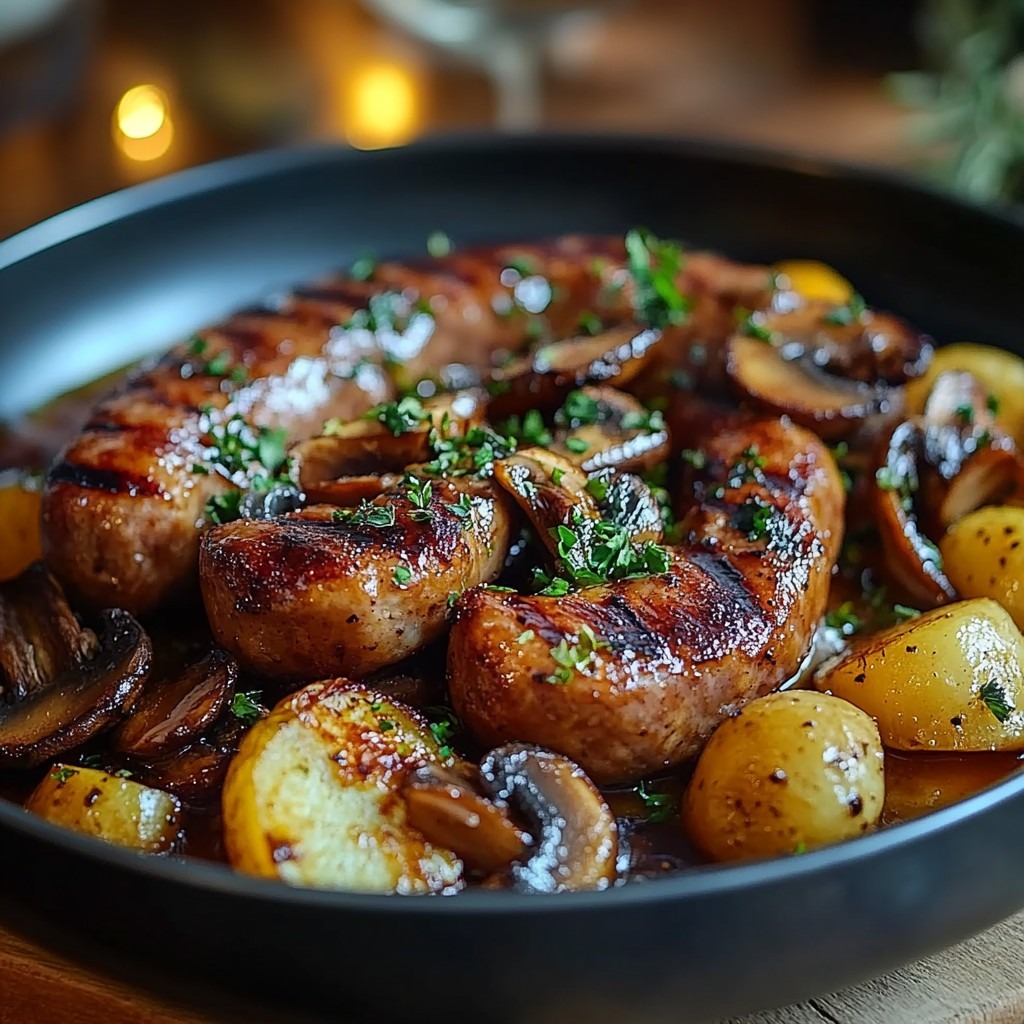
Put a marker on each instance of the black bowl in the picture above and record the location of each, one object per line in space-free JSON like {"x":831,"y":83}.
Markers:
{"x":126,"y":273}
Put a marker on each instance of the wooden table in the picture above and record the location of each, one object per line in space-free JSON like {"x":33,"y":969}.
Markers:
{"x":978,"y":982}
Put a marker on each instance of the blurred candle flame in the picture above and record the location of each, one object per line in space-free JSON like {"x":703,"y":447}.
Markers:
{"x":383,"y":107}
{"x":143,"y":129}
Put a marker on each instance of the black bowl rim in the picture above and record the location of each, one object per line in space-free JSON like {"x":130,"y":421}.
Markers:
{"x":700,"y":882}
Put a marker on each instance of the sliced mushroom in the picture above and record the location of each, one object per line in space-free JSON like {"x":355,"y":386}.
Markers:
{"x":530,"y":477}
{"x":357,"y":459}
{"x":174,"y":713}
{"x":64,"y":684}
{"x":542,"y":379}
{"x":448,"y":810}
{"x":195,"y":773}
{"x":911,"y":558}
{"x":575,"y":835}
{"x":834,"y":407}
{"x":621,"y":434}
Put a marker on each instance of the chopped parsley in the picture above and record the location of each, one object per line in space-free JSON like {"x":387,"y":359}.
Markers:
{"x":123,"y":773}
{"x":385,"y":724}
{"x":752,"y":325}
{"x":551,"y":587}
{"x":597,"y":488}
{"x":366,"y":514}
{"x":526,"y":636}
{"x":753,"y":518}
{"x":748,"y":467}
{"x":196,"y":345}
{"x":469,"y":454}
{"x":399,"y":417}
{"x":843,"y":316}
{"x":419,"y":493}
{"x":401,"y":576}
{"x":524,"y":266}
{"x":529,"y":430}
{"x":223,"y":508}
{"x":655,"y":266}
{"x":649,"y":420}
{"x":992,"y":404}
{"x":63,"y":773}
{"x":388,"y":312}
{"x":443,"y":729}
{"x":579,"y":410}
{"x":662,"y":806}
{"x":576,"y":445}
{"x":903,"y":613}
{"x":694,"y":457}
{"x":573,"y":658}
{"x":845,"y":619}
{"x":995,"y":698}
{"x":463,"y":509}
{"x":245,"y":706}
{"x":590,"y":323}
{"x":556,"y":475}
{"x":594,"y":551}
{"x":439,"y":244}
{"x":364,"y":268}
{"x":965,"y":413}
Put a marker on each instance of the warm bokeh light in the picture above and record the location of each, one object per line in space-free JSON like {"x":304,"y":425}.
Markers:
{"x":141,"y":112}
{"x":143,"y":129}
{"x":384,"y":107}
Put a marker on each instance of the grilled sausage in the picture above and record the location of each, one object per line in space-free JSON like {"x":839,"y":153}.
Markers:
{"x":675,"y":653}
{"x":306,"y":596}
{"x":123,"y":508}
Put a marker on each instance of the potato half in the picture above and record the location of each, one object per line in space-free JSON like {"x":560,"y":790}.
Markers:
{"x":313,"y":796}
{"x":791,"y":771}
{"x":983,"y":556}
{"x":948,"y":680}
{"x":108,"y":807}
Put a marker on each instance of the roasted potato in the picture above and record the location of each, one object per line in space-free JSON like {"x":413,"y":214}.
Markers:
{"x":1001,"y":373}
{"x":814,"y":280}
{"x":314,"y":795}
{"x":114,"y":809}
{"x":948,"y":680}
{"x":20,"y":544}
{"x":791,"y":771}
{"x":983,"y":556}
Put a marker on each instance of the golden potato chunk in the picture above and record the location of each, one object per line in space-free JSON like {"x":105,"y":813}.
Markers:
{"x":314,"y":796}
{"x":20,"y":543}
{"x":815,"y":280}
{"x":111,"y":808}
{"x":791,"y":771}
{"x":948,"y":680}
{"x":983,"y":556}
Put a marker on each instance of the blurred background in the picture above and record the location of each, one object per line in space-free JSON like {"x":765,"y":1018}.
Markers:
{"x":99,"y":94}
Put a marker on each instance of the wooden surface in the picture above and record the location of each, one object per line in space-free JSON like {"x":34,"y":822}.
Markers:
{"x":979,"y":982}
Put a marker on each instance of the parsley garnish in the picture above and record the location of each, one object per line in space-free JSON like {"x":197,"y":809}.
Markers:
{"x":556,"y":475}
{"x":388,"y":312}
{"x":597,"y":488}
{"x":574,"y":658}
{"x":63,"y":773}
{"x":443,"y":730}
{"x":661,"y":805}
{"x":245,"y":706}
{"x":401,"y":575}
{"x":579,"y":410}
{"x":223,"y":508}
{"x":992,"y":404}
{"x":526,"y":636}
{"x":367,"y":514}
{"x":753,"y":518}
{"x":902,"y":612}
{"x":995,"y":698}
{"x":399,"y":417}
{"x":463,"y":509}
{"x":655,"y":266}
{"x":472,"y":453}
{"x":845,"y":619}
{"x":530,"y":429}
{"x":419,"y":493}
{"x":557,"y":587}
{"x":590,"y":323}
{"x":843,"y":316}
{"x":594,"y":552}
{"x":650,"y":420}
{"x":197,"y":345}
{"x":123,"y":773}
{"x":363,"y":269}
{"x":524,"y":266}
{"x":752,"y":325}
{"x":694,"y":457}
{"x":439,"y":244}
{"x":748,"y":467}
{"x":965,"y":413}
{"x":576,"y":445}
{"x":385,"y":724}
